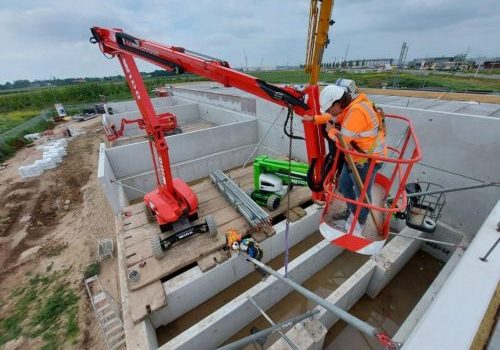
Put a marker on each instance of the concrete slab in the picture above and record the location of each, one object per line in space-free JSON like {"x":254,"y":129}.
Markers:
{"x":450,"y":106}
{"x":482,"y":109}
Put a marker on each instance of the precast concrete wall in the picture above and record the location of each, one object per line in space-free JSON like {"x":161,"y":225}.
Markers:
{"x":190,"y":170}
{"x":213,"y":96}
{"x":270,"y":116}
{"x":193,"y":287}
{"x":134,"y":158}
{"x":131,"y":105}
{"x":236,"y":314}
{"x":456,"y":315}
{"x":184,"y":113}
{"x":221,"y":116}
{"x":105,"y":175}
{"x":192,"y":155}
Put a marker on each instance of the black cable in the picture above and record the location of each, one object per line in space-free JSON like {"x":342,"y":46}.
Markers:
{"x":289,"y":118}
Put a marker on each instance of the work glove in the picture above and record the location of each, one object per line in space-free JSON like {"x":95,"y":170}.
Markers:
{"x":319,"y":118}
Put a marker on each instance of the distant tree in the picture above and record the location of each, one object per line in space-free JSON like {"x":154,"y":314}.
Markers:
{"x":21,"y":84}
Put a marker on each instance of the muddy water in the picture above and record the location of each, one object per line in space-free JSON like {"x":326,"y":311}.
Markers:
{"x":389,"y":310}
{"x":169,"y":331}
{"x":322,"y":283}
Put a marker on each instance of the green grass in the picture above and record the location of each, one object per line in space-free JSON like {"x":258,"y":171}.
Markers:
{"x":79,"y":93}
{"x":15,"y":141}
{"x":45,"y":306}
{"x":9,"y":120}
{"x":92,"y":270}
{"x":377,"y":79}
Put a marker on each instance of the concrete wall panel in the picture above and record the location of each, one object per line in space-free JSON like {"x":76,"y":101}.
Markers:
{"x":104,"y":175}
{"x":134,"y":159}
{"x":220,"y":116}
{"x":188,"y":171}
{"x":190,"y":289}
{"x":223,"y":323}
{"x":461,"y":144}
{"x":185,"y":113}
{"x":131,"y":105}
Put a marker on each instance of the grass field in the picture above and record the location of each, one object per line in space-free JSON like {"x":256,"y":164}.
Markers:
{"x":12,"y":119}
{"x":377,"y":79}
{"x":44,"y":307}
{"x":17,"y":107}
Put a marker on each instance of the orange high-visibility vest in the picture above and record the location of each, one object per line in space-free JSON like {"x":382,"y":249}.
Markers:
{"x":361,"y":124}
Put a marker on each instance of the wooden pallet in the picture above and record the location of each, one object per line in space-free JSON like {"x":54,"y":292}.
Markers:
{"x":137,"y":231}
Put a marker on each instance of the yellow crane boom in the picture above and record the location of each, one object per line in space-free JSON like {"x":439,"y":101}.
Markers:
{"x":317,"y":37}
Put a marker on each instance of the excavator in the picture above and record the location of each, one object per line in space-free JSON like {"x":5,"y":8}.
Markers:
{"x":173,"y":203}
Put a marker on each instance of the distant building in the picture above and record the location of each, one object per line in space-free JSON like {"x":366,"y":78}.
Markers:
{"x":437,"y":63}
{"x":374,"y":63}
{"x":492,"y":63}
{"x":287,"y":67}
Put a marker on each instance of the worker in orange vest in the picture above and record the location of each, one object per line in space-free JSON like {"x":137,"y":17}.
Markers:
{"x":362,"y":126}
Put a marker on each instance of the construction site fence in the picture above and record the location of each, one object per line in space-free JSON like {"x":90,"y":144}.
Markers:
{"x":31,"y":126}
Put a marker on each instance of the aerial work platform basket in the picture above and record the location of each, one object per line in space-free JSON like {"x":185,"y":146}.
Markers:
{"x":389,"y":183}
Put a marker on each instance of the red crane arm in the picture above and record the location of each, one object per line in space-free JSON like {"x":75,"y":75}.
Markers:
{"x":176,"y":59}
{"x":180,"y":60}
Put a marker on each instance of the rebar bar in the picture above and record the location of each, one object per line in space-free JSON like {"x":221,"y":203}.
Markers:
{"x":263,"y":313}
{"x":251,"y":338}
{"x":252,"y":212}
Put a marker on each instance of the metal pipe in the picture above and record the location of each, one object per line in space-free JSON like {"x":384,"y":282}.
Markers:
{"x":428,"y":240}
{"x":345,"y":316}
{"x":127,"y":186}
{"x":253,"y":213}
{"x":453,"y":189}
{"x":285,"y":338}
{"x":251,"y":338}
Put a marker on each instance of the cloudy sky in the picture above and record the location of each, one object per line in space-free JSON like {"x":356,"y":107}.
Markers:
{"x":42,"y":39}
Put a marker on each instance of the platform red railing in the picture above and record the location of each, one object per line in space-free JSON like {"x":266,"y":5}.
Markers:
{"x":392,"y":177}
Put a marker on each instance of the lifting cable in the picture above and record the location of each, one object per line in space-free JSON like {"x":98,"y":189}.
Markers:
{"x":262,"y":139}
{"x":289,"y":118}
{"x":127,"y":186}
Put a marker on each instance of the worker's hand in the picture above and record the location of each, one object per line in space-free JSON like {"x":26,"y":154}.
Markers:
{"x":332,"y":131}
{"x":319,"y":118}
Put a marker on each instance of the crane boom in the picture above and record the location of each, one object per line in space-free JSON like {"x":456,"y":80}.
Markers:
{"x":173,"y":198}
{"x":317,"y":38}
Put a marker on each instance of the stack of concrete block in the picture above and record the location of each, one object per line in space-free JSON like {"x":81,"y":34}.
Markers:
{"x":53,"y":153}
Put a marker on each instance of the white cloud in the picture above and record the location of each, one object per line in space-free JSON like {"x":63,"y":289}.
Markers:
{"x":41,"y":39}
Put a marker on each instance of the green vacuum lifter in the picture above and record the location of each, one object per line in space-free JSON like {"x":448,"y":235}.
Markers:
{"x":271,"y":179}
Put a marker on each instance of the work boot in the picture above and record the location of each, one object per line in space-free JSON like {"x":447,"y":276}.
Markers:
{"x":358,"y":229}
{"x":341,"y":216}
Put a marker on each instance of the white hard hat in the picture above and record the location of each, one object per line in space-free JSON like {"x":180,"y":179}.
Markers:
{"x":329,"y":95}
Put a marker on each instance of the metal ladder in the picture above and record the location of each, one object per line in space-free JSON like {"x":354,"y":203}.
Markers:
{"x":107,"y":314}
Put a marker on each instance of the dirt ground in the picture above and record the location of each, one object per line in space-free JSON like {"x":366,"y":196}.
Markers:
{"x":53,"y":223}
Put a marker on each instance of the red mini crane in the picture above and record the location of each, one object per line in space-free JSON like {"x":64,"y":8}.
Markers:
{"x":173,"y":203}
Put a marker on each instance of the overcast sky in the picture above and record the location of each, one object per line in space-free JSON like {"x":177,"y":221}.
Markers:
{"x":42,"y":39}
